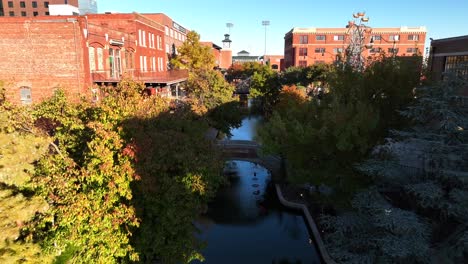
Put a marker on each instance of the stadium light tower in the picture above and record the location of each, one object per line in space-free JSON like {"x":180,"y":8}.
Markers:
{"x":229,"y":26}
{"x":265,"y":23}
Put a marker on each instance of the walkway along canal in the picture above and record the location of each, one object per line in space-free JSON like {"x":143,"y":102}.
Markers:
{"x":246,"y":223}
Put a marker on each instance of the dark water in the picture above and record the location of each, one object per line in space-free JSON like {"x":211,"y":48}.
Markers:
{"x":246,"y":224}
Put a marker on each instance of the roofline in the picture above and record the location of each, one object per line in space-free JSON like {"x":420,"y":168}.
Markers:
{"x":449,"y":39}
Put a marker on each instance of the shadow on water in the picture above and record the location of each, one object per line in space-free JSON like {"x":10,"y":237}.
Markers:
{"x":247,"y":224}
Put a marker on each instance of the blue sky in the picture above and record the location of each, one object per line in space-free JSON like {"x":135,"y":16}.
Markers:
{"x":443,"y":18}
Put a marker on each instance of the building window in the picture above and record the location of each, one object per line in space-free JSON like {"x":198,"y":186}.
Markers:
{"x":46,"y":4}
{"x":10,"y":4}
{"x":167,"y":30}
{"x":168,"y":49}
{"x":12,"y":13}
{"x":376,"y":37}
{"x":100,"y":57}
{"x":393,"y":50}
{"x":338,"y":37}
{"x":34,"y":4}
{"x":129,"y":57}
{"x":23,"y":13}
{"x":171,"y":33}
{"x":320,"y":37}
{"x":413,"y":37}
{"x":92,"y":59}
{"x":22,"y":4}
{"x":337,"y":50}
{"x":302,"y":51}
{"x":25,"y":95}
{"x":111,"y":62}
{"x":47,"y":13}
{"x":303,"y":39}
{"x":319,"y":50}
{"x":412,"y":50}
{"x":274,"y":67}
{"x":394,"y":37}
{"x":458,"y":64}
{"x":375,"y":50}
{"x":302,"y":63}
{"x":35,"y":13}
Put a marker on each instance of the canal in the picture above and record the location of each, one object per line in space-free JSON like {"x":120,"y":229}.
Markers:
{"x":246,"y":223}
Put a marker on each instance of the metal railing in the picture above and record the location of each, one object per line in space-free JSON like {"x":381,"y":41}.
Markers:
{"x":140,"y":75}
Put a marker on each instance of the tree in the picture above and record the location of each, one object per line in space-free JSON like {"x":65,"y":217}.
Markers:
{"x":265,"y":87}
{"x":205,"y":86}
{"x":425,"y":166}
{"x":193,"y":56}
{"x":21,"y":146}
{"x":86,"y":181}
{"x":376,"y":232}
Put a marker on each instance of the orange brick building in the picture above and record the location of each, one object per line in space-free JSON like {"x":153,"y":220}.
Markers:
{"x":223,"y":57}
{"x":306,"y":46}
{"x":40,"y":54}
{"x":276,"y":62}
{"x":28,"y":8}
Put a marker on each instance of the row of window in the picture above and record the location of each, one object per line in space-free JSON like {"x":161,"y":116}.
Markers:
{"x":23,"y":4}
{"x":151,"y":43}
{"x":457,"y":64}
{"x":304,"y":51}
{"x":152,"y":64}
{"x":174,"y":34}
{"x":304,"y":39}
{"x":24,"y":13}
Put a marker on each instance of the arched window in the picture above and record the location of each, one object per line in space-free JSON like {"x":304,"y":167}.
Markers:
{"x":25,"y":95}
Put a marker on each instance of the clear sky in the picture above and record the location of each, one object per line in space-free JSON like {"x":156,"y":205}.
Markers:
{"x":443,"y":18}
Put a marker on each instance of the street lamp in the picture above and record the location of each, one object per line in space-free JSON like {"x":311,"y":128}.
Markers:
{"x":265,"y":23}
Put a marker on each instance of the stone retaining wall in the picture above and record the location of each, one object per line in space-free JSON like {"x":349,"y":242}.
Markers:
{"x":310,"y":222}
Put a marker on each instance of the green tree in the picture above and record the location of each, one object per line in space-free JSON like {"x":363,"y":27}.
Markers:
{"x":205,"y":86}
{"x":86,"y":181}
{"x":20,"y":147}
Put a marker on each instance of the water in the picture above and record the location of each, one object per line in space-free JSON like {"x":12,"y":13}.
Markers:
{"x":246,"y":224}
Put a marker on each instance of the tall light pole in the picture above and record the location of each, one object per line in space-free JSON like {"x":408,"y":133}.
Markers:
{"x":265,"y":23}
{"x":229,"y":26}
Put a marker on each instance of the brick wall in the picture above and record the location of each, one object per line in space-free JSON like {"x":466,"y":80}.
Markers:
{"x":43,"y":55}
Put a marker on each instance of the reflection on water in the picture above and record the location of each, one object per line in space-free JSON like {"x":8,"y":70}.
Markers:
{"x":246,"y":224}
{"x":247,"y":130}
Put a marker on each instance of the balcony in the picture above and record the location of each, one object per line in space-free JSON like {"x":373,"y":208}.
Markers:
{"x":147,"y":77}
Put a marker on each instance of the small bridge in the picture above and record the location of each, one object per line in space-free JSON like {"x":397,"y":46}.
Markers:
{"x":247,"y":150}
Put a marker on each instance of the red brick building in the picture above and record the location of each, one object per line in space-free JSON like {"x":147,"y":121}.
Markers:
{"x":223,"y":57}
{"x":448,"y":54}
{"x":175,"y":34}
{"x":75,"y":52}
{"x":276,"y":62}
{"x":28,"y":8}
{"x":306,"y":46}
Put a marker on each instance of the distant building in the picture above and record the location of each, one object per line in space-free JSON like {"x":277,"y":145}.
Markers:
{"x":41,"y":54}
{"x":87,"y":7}
{"x":448,"y":54}
{"x":276,"y":62}
{"x":244,"y":56}
{"x":21,"y":8}
{"x":223,"y":57}
{"x":306,"y":46}
{"x":174,"y":33}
